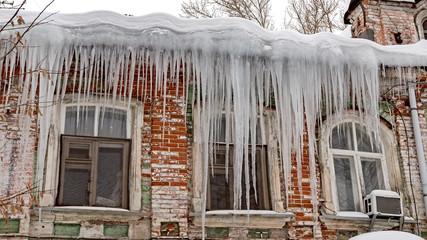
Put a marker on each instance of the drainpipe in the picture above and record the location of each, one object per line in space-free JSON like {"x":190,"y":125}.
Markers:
{"x":418,"y":142}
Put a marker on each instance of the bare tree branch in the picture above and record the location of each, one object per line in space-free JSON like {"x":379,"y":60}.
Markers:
{"x":254,"y":10}
{"x":313,"y":16}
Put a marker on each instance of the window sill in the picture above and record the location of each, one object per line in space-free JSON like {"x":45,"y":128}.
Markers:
{"x":243,"y":218}
{"x":359,"y":220}
{"x":100,"y":212}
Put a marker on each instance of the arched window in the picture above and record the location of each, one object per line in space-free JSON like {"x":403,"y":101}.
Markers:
{"x":425,"y":29}
{"x":92,"y":151}
{"x":357,"y":164}
{"x":354,"y":163}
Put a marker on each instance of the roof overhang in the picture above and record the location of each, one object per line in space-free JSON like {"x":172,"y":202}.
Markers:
{"x":354,"y":3}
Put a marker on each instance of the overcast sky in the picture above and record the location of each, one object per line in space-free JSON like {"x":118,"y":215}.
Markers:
{"x":134,"y":7}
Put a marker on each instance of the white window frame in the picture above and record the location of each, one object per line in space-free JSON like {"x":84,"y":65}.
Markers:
{"x":98,"y":109}
{"x":356,"y":157}
{"x":420,"y":18}
{"x":135,"y":119}
{"x":388,"y":160}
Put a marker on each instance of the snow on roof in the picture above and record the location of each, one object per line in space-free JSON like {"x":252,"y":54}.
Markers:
{"x":225,"y":35}
{"x":386,"y":235}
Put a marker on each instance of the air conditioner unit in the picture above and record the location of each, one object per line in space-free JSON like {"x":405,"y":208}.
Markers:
{"x":383,"y":203}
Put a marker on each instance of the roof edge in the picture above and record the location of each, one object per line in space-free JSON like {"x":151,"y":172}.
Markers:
{"x":351,"y":7}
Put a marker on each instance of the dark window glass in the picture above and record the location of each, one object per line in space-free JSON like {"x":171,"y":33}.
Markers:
{"x":221,"y":189}
{"x":372,"y":175}
{"x":342,"y":137}
{"x":80,"y":122}
{"x":79,"y":151}
{"x":344,"y":181}
{"x":109,"y":175}
{"x":112,"y":123}
{"x":365,"y":141}
{"x":425,"y":29}
{"x":76,"y":181}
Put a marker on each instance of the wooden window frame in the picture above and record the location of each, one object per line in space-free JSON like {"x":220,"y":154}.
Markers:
{"x":94,"y":143}
{"x":266,"y":194}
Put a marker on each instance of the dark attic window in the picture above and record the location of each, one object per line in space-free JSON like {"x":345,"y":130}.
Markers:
{"x":425,"y":29}
{"x":398,"y":38}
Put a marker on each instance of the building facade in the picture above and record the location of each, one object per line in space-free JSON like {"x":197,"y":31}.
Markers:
{"x":116,"y":127}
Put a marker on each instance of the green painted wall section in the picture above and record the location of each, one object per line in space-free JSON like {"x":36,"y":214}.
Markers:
{"x":217,"y":232}
{"x":344,"y":235}
{"x":116,"y":230}
{"x":146,"y":197}
{"x":12,"y":226}
{"x":259,"y":233}
{"x":386,"y":111}
{"x":66,"y":229}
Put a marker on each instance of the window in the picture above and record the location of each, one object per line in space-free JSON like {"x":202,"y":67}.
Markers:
{"x":220,"y":188}
{"x":425,"y":29}
{"x":357,"y":162}
{"x":94,"y":157}
{"x":420,"y":18}
{"x":96,"y":121}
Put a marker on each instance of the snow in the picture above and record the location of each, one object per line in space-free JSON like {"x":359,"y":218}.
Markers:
{"x":384,"y":193}
{"x":247,"y":212}
{"x":93,"y":208}
{"x":346,"y":32}
{"x":233,"y":66}
{"x":352,"y":214}
{"x":386,"y":235}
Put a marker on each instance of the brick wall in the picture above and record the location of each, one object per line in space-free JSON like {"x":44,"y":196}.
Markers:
{"x":169,"y":177}
{"x":392,"y":23}
{"x":17,"y":160}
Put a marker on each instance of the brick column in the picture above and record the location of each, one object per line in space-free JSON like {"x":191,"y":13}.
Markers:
{"x":169,"y":179}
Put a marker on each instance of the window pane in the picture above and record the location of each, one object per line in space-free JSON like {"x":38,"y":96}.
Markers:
{"x":258,"y":136}
{"x":425,"y":29}
{"x":257,"y":201}
{"x":220,"y":134}
{"x":79,"y":151}
{"x":220,"y":192}
{"x":76,"y":180}
{"x":85,"y":125}
{"x":345,"y":183}
{"x":219,"y":188}
{"x":109,"y":176}
{"x":365,"y":141}
{"x":220,"y":156}
{"x":372,"y":176}
{"x":112,"y":123}
{"x":342,"y":137}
